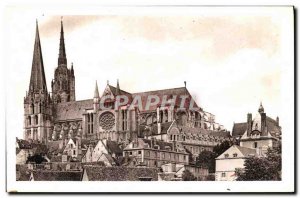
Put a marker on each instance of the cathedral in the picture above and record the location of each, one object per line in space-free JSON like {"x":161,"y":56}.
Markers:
{"x":116,"y":114}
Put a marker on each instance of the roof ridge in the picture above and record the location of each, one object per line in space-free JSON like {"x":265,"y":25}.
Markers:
{"x":159,"y":90}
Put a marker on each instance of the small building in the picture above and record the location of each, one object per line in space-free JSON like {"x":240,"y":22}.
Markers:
{"x":172,"y":171}
{"x":194,"y":139}
{"x":95,"y":153}
{"x":232,"y":159}
{"x":25,"y":149}
{"x":155,"y":153}
{"x":260,"y":132}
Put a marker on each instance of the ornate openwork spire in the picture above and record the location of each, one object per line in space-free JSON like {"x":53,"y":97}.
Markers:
{"x":62,"y":59}
{"x":261,"y":108}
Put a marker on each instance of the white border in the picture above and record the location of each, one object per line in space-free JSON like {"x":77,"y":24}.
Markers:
{"x":287,"y":124}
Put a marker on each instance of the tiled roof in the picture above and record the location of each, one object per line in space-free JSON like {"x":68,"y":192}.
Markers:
{"x":71,"y":110}
{"x":109,"y":158}
{"x":36,"y":147}
{"x":204,"y":131}
{"x":54,"y":145}
{"x":239,"y":129}
{"x":57,"y":175}
{"x":273,"y":127}
{"x":113,"y":147}
{"x":22,"y":172}
{"x":246,"y":151}
{"x":114,"y":91}
{"x":40,"y":149}
{"x":165,"y":92}
{"x":24,"y":144}
{"x":119,"y":173}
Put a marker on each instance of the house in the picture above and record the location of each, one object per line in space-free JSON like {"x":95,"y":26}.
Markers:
{"x":260,"y":132}
{"x":194,"y":139}
{"x":104,"y":149}
{"x":232,"y":159}
{"x":154,"y":153}
{"x":172,"y":171}
{"x":25,"y":149}
{"x":119,"y":173}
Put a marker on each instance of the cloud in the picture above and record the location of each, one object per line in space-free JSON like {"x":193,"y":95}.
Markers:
{"x":52,"y":26}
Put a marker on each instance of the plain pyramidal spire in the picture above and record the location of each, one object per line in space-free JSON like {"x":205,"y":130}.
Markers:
{"x":62,"y":58}
{"x":96,"y":93}
{"x":37,"y":78}
{"x":118,"y":87}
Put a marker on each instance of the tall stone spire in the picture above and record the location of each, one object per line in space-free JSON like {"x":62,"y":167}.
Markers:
{"x":118,"y":88}
{"x":62,"y":59}
{"x":37,"y":79}
{"x":96,"y":93}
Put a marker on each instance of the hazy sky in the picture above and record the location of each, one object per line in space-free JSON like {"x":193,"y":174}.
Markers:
{"x":231,"y":61}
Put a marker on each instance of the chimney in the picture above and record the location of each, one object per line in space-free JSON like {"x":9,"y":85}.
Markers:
{"x":249,"y":124}
{"x":158,"y":128}
{"x":277,"y":120}
{"x":158,"y":121}
{"x":263,"y":124}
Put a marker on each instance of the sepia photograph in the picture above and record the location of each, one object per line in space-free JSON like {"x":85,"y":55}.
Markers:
{"x":189,"y":99}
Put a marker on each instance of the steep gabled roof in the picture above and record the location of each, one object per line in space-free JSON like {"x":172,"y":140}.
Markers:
{"x":273,"y":127}
{"x":239,"y":129}
{"x":72,"y":110}
{"x":113,"y":147}
{"x":169,"y":93}
{"x":190,"y":130}
{"x":246,"y":151}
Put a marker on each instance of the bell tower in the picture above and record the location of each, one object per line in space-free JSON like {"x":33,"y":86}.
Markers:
{"x":63,"y":84}
{"x":37,"y":102}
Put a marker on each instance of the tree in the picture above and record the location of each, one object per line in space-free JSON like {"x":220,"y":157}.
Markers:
{"x":221,"y":148}
{"x":38,"y":159}
{"x":206,"y":159}
{"x":263,"y":168}
{"x":188,"y":176}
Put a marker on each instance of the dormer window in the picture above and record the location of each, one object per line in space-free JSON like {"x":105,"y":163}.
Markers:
{"x":234,"y":154}
{"x":226,"y":155}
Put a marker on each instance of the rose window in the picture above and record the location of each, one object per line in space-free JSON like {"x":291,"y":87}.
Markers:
{"x":107,"y":121}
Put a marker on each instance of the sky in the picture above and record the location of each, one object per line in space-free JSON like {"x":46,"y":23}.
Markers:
{"x":231,"y":59}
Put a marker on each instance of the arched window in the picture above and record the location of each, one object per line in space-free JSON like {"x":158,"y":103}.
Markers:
{"x":124,"y":120}
{"x":32,"y":109}
{"x":29,"y":120}
{"x":90,"y":122}
{"x":36,"y":119}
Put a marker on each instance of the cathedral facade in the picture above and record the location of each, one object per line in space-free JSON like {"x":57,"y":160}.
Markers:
{"x":115,"y":114}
